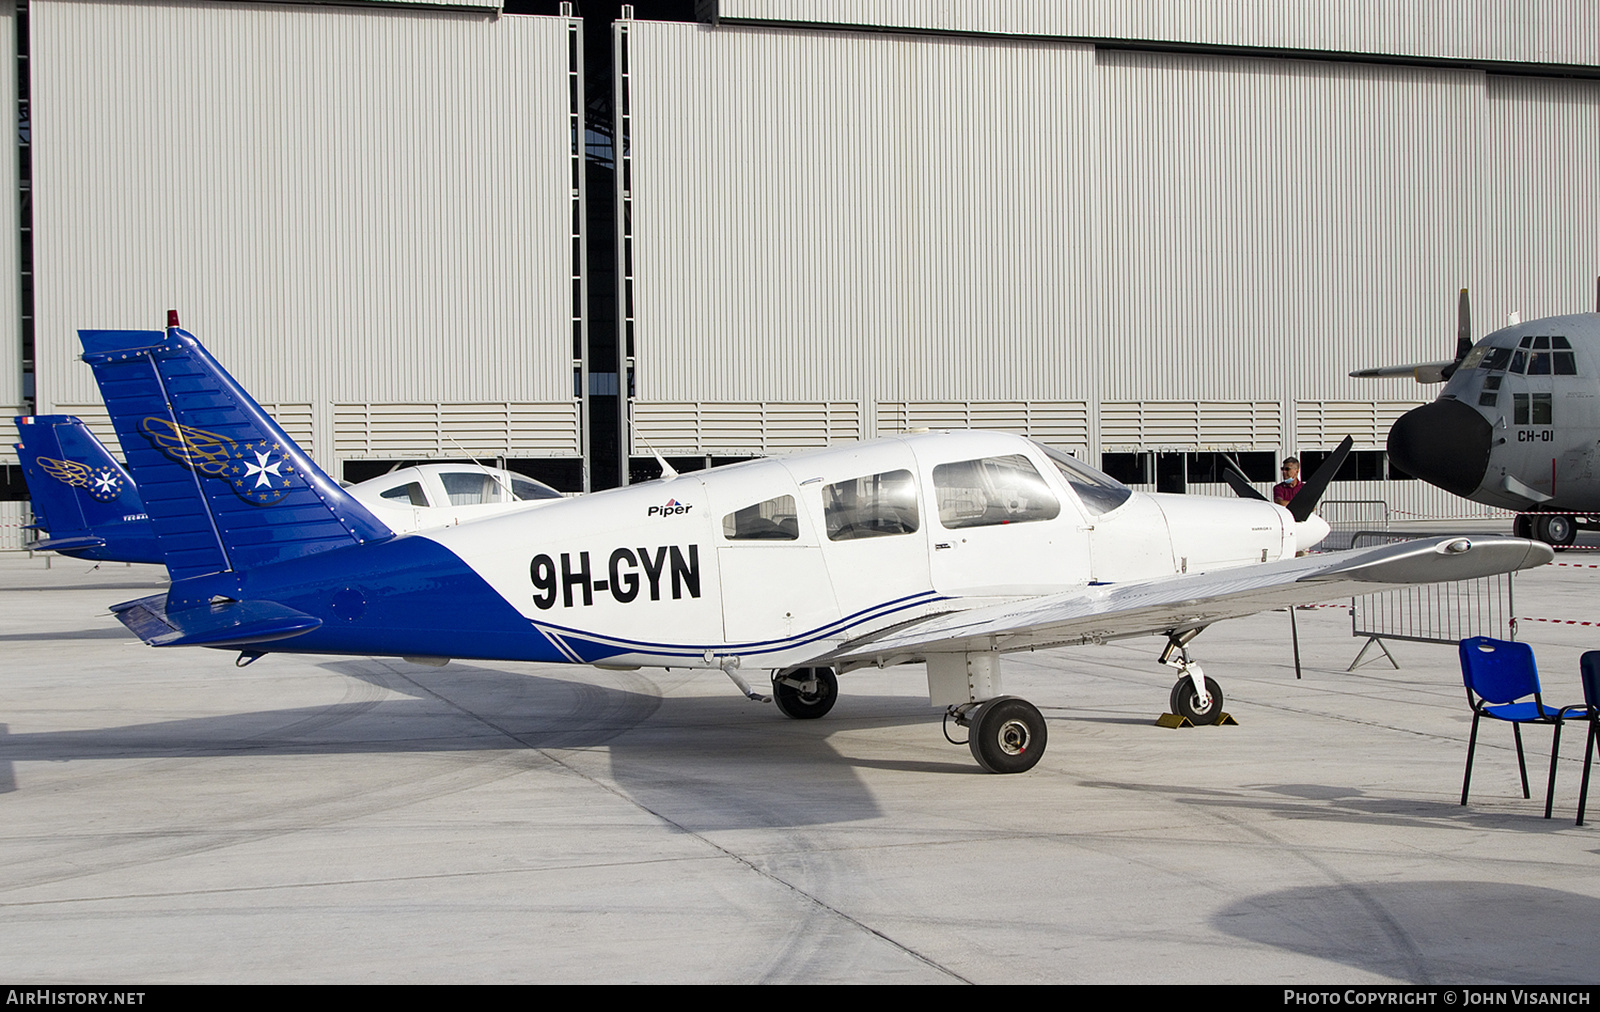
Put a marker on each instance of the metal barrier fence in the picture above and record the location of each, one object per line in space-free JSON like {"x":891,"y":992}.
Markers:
{"x":1348,"y":517}
{"x":1443,"y":613}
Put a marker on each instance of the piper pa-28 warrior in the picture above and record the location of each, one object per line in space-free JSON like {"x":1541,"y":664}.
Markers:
{"x":89,"y":508}
{"x":949,"y":549}
{"x":1517,"y":424}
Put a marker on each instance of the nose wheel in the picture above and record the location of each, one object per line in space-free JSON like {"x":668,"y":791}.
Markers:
{"x":1187,"y":703}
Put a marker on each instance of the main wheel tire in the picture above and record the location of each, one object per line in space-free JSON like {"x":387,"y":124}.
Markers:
{"x":1007,"y":735}
{"x":1186,"y":702}
{"x":1557,"y":529}
{"x":1522,"y":527}
{"x":802,"y":705}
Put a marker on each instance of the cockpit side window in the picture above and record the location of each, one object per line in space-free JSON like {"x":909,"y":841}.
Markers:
{"x":410,"y":493}
{"x":992,"y":491}
{"x":873,"y":506}
{"x":528,"y":490}
{"x":1496,"y":359}
{"x":1100,"y":493}
{"x":772,"y":520}
{"x":469,"y":488}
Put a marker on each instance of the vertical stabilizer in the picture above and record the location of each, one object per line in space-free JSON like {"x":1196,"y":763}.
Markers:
{"x":82,"y":498}
{"x":225,"y":488}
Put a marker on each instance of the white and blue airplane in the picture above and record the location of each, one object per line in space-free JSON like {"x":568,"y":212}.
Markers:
{"x":89,"y":507}
{"x":948,"y":549}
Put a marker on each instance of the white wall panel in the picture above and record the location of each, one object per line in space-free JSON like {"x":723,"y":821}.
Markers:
{"x":1540,"y":31}
{"x":844,"y":217}
{"x":1541,"y":160}
{"x":10,"y":338}
{"x":1269,"y":225}
{"x":345,"y":204}
{"x":1196,"y":248}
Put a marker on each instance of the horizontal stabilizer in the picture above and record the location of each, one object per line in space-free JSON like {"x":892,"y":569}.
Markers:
{"x":66,"y":544}
{"x":222,"y":624}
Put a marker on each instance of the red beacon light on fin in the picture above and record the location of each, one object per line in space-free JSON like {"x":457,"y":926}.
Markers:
{"x":172,"y":317}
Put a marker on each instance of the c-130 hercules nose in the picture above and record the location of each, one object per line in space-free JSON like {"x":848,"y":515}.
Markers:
{"x":1445,"y":443}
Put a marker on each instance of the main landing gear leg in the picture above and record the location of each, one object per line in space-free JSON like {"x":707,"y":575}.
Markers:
{"x":1006,"y":734}
{"x":1195,"y":696}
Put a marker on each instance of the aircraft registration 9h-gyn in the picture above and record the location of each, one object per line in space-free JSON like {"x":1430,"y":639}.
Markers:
{"x":1517,"y":424}
{"x":949,"y":549}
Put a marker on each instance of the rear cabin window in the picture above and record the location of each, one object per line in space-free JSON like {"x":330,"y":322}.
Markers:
{"x":992,"y":491}
{"x":874,"y":506}
{"x":410,"y":492}
{"x":772,"y":520}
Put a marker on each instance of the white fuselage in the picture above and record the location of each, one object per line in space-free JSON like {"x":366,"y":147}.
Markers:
{"x":770,"y":562}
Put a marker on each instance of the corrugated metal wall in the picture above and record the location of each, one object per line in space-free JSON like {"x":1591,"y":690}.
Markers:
{"x":1196,"y":248}
{"x":798,"y":238}
{"x":1524,"y":31}
{"x":11,"y":361}
{"x":348,"y":205}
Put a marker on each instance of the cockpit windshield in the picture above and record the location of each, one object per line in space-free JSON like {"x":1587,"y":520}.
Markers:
{"x":1099,"y":492}
{"x":1535,"y":355}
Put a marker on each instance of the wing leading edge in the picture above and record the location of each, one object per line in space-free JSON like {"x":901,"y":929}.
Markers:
{"x":1117,"y":611}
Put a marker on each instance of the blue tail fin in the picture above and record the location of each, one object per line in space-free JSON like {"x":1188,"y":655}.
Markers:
{"x":225,"y":488}
{"x":82,"y":498}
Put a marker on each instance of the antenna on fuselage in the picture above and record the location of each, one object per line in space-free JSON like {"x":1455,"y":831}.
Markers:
{"x":668,"y":472}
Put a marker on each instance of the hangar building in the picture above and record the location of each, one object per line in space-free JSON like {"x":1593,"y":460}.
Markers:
{"x":1146,"y":231}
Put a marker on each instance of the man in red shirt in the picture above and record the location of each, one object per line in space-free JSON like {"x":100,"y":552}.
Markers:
{"x":1291,"y":484}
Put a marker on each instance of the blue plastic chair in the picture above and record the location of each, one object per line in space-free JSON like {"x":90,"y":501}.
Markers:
{"x":1589,"y":668}
{"x":1500,"y":676}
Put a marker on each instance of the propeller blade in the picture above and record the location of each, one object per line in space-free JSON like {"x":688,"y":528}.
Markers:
{"x":1233,"y":474}
{"x":1463,"y":334}
{"x":1305,"y":503}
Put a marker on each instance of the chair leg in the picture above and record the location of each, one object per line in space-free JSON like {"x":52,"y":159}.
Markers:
{"x":1555,"y":752}
{"x":1522,"y":764}
{"x":1588,"y":758}
{"x":1472,"y":743}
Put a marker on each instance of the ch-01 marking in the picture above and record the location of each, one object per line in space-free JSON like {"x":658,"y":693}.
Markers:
{"x":680,"y":565}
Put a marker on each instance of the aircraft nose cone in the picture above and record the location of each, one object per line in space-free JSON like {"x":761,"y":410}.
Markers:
{"x":1444,"y":443}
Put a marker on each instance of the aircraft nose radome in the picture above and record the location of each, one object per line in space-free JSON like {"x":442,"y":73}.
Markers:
{"x":1444,"y":443}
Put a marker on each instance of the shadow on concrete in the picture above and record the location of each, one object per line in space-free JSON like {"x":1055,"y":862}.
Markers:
{"x":1430,"y":932}
{"x":717,"y":762}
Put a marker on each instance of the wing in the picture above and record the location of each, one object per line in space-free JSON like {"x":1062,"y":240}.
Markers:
{"x":1114,"y":611}
{"x":1422,"y":372}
